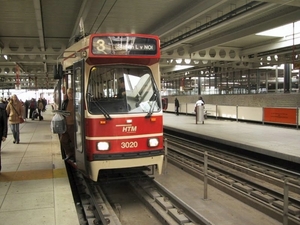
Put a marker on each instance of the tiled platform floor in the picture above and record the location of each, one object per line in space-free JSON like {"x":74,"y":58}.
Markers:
{"x":34,"y":188}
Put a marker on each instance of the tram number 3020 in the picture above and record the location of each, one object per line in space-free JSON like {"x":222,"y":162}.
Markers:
{"x":131,"y":144}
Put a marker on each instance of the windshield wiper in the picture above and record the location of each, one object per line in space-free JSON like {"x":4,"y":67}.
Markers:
{"x":154,"y":102}
{"x":103,"y":111}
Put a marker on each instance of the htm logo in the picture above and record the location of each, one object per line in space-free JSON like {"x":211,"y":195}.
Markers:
{"x":129,"y":129}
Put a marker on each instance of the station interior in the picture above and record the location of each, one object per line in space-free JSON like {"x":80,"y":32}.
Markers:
{"x":241,"y":56}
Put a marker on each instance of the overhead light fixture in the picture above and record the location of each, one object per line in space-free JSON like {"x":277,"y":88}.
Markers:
{"x":5,"y":56}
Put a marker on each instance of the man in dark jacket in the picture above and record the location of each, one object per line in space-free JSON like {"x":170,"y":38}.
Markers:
{"x":32,"y":107}
{"x":3,"y":125}
{"x":27,"y":104}
{"x":176,"y":106}
{"x":67,"y":138}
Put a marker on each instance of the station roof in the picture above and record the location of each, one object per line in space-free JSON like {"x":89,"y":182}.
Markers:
{"x":199,"y":35}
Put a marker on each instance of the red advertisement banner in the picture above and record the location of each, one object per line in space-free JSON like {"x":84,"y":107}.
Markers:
{"x":280,"y":115}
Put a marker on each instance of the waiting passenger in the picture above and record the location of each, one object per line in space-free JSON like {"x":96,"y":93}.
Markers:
{"x":40,"y":108}
{"x":198,"y":103}
{"x":14,"y":112}
{"x":176,"y":106}
{"x":32,"y":108}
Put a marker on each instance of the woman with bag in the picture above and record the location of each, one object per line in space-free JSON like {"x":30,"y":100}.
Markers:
{"x":14,"y":112}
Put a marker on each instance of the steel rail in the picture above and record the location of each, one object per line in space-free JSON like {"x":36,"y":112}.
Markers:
{"x":225,"y":171}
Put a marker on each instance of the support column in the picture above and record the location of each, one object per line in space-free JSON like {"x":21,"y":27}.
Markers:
{"x":249,"y":84}
{"x":287,"y":78}
{"x":276,"y":79}
{"x":267,"y":82}
{"x":199,"y":83}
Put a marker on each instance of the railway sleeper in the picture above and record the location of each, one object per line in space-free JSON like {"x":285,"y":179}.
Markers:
{"x":88,"y":212}
{"x":155,"y":206}
{"x":226,"y":180}
{"x":213,"y":173}
{"x":178,"y":216}
{"x":294,"y":181}
{"x":274,"y":174}
{"x":166,"y":207}
{"x":242,"y":163}
{"x":292,"y":209}
{"x":243,"y":187}
{"x":164,"y":203}
{"x":258,"y":169}
{"x":153,"y":193}
{"x":189,"y":162}
{"x":261,"y":196}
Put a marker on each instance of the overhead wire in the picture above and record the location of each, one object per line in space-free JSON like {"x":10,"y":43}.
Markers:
{"x":97,"y":17}
{"x":106,"y":15}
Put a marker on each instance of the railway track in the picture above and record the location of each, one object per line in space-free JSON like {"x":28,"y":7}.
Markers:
{"x":271,"y":189}
{"x":129,"y":197}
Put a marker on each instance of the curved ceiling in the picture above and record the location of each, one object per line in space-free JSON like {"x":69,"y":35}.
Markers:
{"x":215,"y":33}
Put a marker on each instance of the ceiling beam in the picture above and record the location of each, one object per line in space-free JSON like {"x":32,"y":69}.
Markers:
{"x":177,"y":22}
{"x":39,"y":21}
{"x":287,"y":15}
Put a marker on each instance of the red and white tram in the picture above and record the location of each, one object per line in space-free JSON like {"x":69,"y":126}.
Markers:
{"x":117,"y":127}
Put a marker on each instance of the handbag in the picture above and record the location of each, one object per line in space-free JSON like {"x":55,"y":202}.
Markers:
{"x":21,"y":119}
{"x":58,"y":124}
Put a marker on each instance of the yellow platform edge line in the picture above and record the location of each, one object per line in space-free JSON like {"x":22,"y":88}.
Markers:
{"x":32,"y":175}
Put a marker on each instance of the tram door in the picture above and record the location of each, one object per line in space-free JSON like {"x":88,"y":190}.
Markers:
{"x":78,"y":88}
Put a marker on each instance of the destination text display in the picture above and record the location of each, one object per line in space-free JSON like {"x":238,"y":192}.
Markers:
{"x":123,"y":45}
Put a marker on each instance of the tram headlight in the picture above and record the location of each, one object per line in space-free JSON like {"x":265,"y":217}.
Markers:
{"x":153,"y":142}
{"x":103,"y":146}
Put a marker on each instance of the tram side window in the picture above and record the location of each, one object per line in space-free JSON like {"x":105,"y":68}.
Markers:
{"x":138,"y":93}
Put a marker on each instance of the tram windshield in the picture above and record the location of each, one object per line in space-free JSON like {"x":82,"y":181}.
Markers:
{"x":122,"y":89}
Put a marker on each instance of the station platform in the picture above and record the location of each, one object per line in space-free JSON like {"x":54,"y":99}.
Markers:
{"x":276,"y":141}
{"x":219,"y":207}
{"x":34,"y":187}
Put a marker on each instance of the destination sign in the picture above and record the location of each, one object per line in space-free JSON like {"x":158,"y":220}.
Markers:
{"x":123,"y":45}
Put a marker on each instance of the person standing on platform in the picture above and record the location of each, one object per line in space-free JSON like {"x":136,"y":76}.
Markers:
{"x":32,"y":108}
{"x":176,"y":106}
{"x":200,"y":98}
{"x":3,"y":124}
{"x":3,"y":103}
{"x":67,"y":138}
{"x":199,"y":103}
{"x":26,"y":105}
{"x":44,"y":103}
{"x":14,"y":112}
{"x":40,"y":106}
